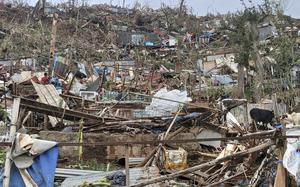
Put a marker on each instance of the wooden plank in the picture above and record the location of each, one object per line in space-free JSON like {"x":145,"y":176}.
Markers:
{"x":58,"y":112}
{"x":127,"y":166}
{"x":280,"y":178}
{"x":14,"y":120}
{"x":55,"y":95}
{"x":227,"y":179}
{"x":49,"y":95}
{"x":15,"y":111}
{"x":45,"y":100}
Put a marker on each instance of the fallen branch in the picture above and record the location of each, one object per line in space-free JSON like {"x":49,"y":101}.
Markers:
{"x":224,"y":180}
{"x":198,"y":167}
{"x":257,"y":174}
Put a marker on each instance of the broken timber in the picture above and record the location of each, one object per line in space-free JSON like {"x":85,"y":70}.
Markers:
{"x":49,"y":95}
{"x":13,"y":126}
{"x":198,"y":167}
{"x":55,"y":111}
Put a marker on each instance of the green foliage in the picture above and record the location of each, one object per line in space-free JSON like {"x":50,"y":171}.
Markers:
{"x":284,"y":55}
{"x":169,"y":65}
{"x":215,"y":92}
{"x":102,"y":182}
{"x":2,"y":156}
{"x":249,"y":93}
{"x":238,"y":28}
{"x":3,"y":113}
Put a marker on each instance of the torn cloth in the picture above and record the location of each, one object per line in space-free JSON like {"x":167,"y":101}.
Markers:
{"x":42,"y":171}
{"x":33,"y":162}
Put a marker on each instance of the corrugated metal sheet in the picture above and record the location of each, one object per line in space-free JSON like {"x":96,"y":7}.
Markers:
{"x":61,"y":70}
{"x":136,"y":175}
{"x":138,"y":39}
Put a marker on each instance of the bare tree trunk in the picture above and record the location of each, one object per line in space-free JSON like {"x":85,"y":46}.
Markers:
{"x":181,"y":7}
{"x":241,"y":81}
{"x":43,"y":6}
{"x":258,"y":65}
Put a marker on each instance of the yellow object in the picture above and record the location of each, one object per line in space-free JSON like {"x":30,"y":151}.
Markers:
{"x":103,"y":182}
{"x":80,"y":140}
{"x":175,"y":159}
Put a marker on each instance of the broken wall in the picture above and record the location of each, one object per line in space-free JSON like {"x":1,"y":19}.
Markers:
{"x":103,"y":154}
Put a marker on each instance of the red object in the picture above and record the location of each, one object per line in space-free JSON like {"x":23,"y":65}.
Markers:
{"x":45,"y":80}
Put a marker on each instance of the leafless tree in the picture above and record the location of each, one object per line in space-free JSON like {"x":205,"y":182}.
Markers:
{"x":181,"y":7}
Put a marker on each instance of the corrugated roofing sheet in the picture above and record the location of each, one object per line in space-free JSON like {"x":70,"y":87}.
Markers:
{"x":135,"y":174}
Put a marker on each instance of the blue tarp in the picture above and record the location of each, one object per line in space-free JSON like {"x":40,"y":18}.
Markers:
{"x":42,"y":170}
{"x":208,"y":34}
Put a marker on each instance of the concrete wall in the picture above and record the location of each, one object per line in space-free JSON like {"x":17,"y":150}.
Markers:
{"x":240,"y":113}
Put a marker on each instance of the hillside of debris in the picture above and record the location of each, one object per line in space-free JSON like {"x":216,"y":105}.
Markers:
{"x":112,"y":96}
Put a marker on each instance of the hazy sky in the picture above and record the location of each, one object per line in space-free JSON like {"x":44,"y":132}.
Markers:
{"x":200,"y":7}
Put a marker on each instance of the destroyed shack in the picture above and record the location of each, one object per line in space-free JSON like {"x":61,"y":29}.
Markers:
{"x":103,"y":95}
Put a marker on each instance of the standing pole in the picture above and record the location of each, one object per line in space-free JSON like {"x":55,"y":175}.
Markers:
{"x":13,"y":128}
{"x":52,"y":45}
{"x":280,"y":179}
{"x":127,"y":165}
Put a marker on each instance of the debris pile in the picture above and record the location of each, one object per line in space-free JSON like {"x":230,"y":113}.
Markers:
{"x":130,"y":97}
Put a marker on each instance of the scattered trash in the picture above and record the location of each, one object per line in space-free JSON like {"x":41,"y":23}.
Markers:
{"x":147,"y":97}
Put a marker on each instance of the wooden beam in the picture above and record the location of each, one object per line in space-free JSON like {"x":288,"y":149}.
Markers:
{"x":52,"y":45}
{"x":55,"y":111}
{"x":127,"y":165}
{"x":117,"y":104}
{"x":280,"y":179}
{"x":227,"y":179}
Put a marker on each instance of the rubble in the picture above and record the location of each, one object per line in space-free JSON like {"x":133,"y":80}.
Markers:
{"x":146,"y":90}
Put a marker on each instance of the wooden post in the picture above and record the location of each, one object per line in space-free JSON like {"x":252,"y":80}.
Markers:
{"x":127,"y":165}
{"x":280,"y":179}
{"x":46,"y":122}
{"x":275,"y":106}
{"x":80,"y":140}
{"x":52,"y":45}
{"x":150,"y":80}
{"x":7,"y":167}
{"x":70,"y":85}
